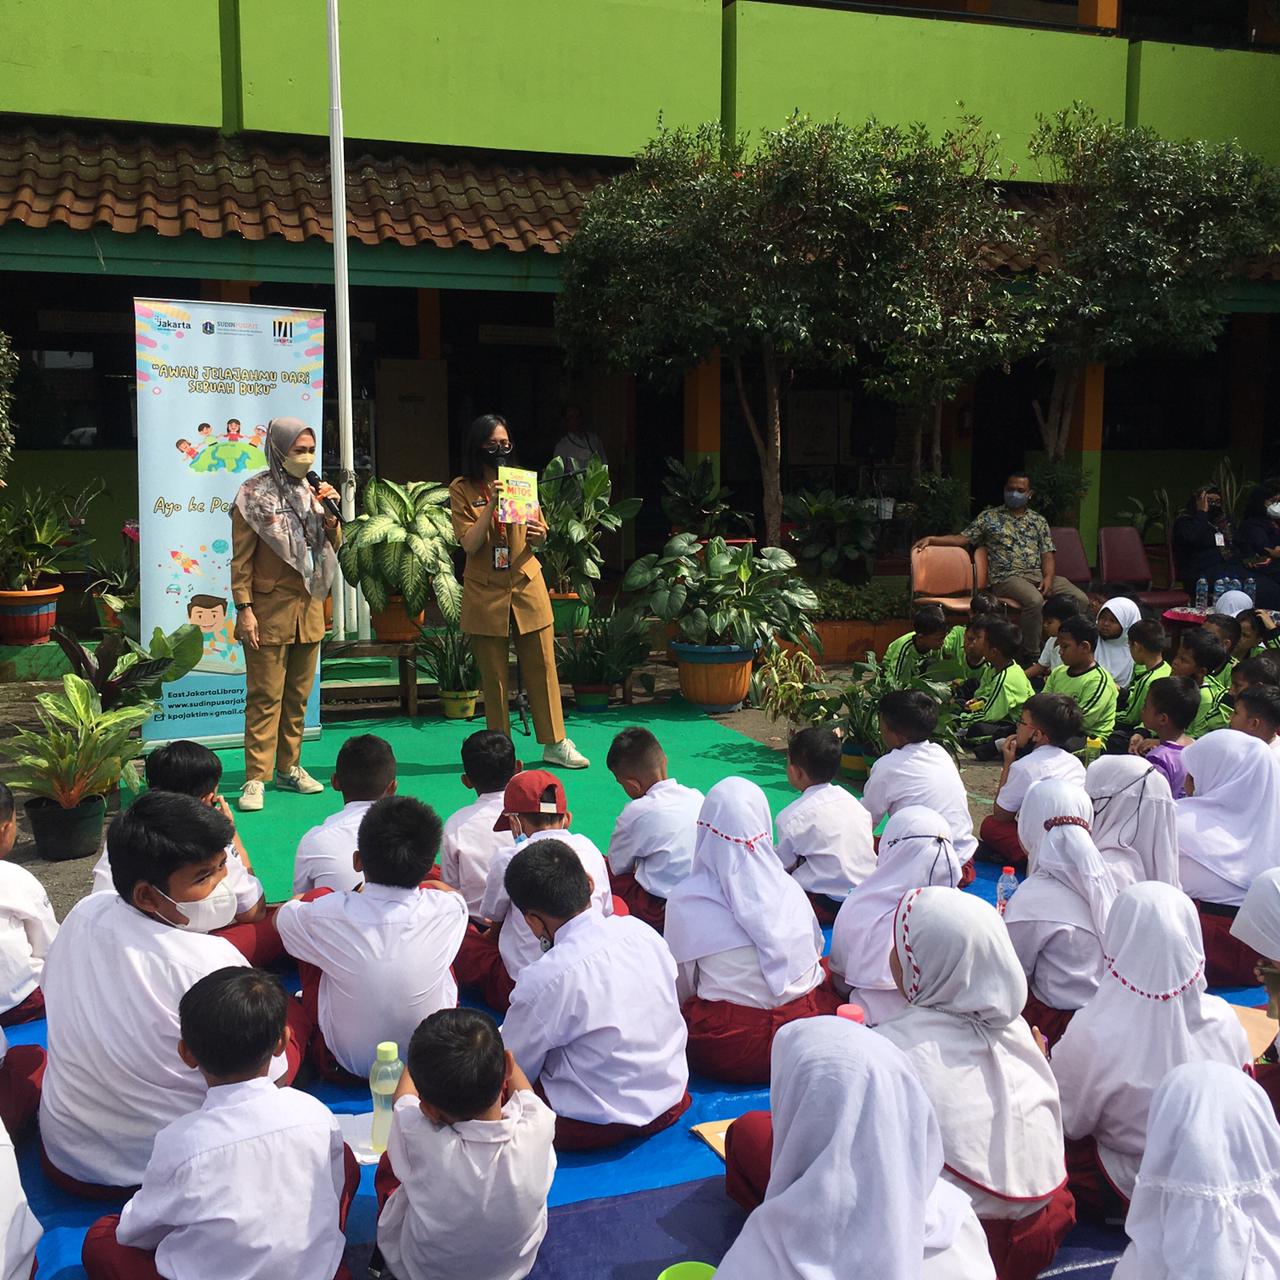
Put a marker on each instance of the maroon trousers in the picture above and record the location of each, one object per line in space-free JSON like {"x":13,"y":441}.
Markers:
{"x":1097,"y":1197}
{"x":1001,"y":838}
{"x":21,"y":1076}
{"x":1051,"y":1022}
{"x":748,"y":1154}
{"x":582,"y":1135}
{"x":1227,"y":961}
{"x":259,"y":942}
{"x":639,"y":901}
{"x":479,"y":969}
{"x":825,"y":908}
{"x":28,"y":1011}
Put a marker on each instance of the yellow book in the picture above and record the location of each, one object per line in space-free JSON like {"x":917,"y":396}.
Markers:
{"x":712,"y":1133}
{"x":518,"y":502}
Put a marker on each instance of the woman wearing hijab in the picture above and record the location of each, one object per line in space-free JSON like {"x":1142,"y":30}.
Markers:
{"x":1207,"y":1201}
{"x":1228,"y":835}
{"x":1258,"y":926}
{"x":1233,"y":603}
{"x":915,"y":850}
{"x":1135,"y":821}
{"x":1150,"y":1015}
{"x":1057,"y":917}
{"x":282,"y":566}
{"x":993,"y":1092}
{"x":745,"y":938}
{"x":850,"y":1154}
{"x":1114,"y":620}
{"x":1258,"y":538}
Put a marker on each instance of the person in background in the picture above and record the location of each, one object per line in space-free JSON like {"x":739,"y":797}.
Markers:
{"x":27,"y":927}
{"x":1147,"y":642}
{"x":1083,"y":679}
{"x":1003,"y":690}
{"x":1257,"y":713}
{"x":1225,"y":627}
{"x":951,"y":663}
{"x":1259,"y":633}
{"x":1258,"y":537}
{"x":1248,"y":672}
{"x":1204,"y":659}
{"x":912,"y":654}
{"x":577,"y":446}
{"x":1257,"y":926}
{"x":1021,"y":559}
{"x":1203,"y":538}
{"x":471,"y":838}
{"x":1171,"y":706}
{"x":1057,"y":609}
{"x":1115,"y":619}
{"x":1135,"y":822}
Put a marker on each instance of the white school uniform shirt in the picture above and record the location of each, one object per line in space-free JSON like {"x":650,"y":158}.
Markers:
{"x":470,"y":843}
{"x":597,"y":1021}
{"x":112,"y":982}
{"x":825,"y":835}
{"x":246,"y":1186}
{"x":27,"y":927}
{"x":654,"y":836}
{"x":323,"y":860}
{"x":472,"y":1199}
{"x":1043,"y":762}
{"x":922,"y":773}
{"x":20,"y":1231}
{"x":516,"y":943}
{"x":240,"y":880}
{"x":384,"y":955}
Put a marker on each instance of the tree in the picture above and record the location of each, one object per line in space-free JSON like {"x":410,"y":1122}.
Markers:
{"x":8,"y":373}
{"x":1137,"y":239}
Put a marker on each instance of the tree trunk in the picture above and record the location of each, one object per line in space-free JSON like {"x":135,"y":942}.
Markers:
{"x":1055,"y":426}
{"x":768,"y":442}
{"x":915,"y":428}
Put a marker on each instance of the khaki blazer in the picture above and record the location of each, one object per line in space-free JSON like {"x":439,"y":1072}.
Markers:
{"x":286,"y":611}
{"x":490,"y":597}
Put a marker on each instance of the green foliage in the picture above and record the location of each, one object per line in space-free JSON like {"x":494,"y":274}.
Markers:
{"x":123,"y":673}
{"x":942,"y":504}
{"x":1059,"y":487}
{"x":445,"y":657}
{"x":695,"y":501}
{"x":36,"y":539}
{"x":402,"y":545}
{"x":80,"y":750}
{"x":879,"y":602}
{"x":577,"y":509}
{"x":780,"y":685}
{"x":8,"y":374}
{"x":724,"y":595}
{"x":1233,"y":487}
{"x":835,"y":534}
{"x":607,"y":650}
{"x":1152,"y":519}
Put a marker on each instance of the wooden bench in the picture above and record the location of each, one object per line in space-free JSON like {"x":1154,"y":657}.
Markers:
{"x":406,"y":658}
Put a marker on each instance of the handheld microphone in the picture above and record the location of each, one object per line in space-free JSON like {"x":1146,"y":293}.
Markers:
{"x":327,"y":503}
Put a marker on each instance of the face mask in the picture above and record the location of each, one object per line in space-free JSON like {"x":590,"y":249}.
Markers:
{"x":521,"y":838}
{"x":498,"y":450}
{"x":1273,"y":510}
{"x":298,"y":464}
{"x":1014,"y":500}
{"x":214,"y":912}
{"x":545,"y":944}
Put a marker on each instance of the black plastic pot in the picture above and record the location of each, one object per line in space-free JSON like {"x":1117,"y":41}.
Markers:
{"x":63,"y":834}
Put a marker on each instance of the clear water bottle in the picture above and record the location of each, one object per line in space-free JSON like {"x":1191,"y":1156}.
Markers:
{"x":1251,"y":588}
{"x":1202,"y":593}
{"x":1235,"y":585}
{"x":1219,"y":589}
{"x":384,"y":1079}
{"x":1006,"y":887}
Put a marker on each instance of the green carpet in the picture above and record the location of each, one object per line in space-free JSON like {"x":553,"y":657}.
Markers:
{"x":700,"y":751}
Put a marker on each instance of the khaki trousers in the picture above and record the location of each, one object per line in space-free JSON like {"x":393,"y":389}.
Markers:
{"x":278,"y":679}
{"x":537,"y":654}
{"x":1025,"y":589}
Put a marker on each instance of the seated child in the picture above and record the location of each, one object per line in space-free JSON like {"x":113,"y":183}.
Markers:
{"x":533,"y":808}
{"x":365,"y":771}
{"x":1227,"y":629}
{"x":1135,"y":820}
{"x":20,"y":1229}
{"x":594,"y":1021}
{"x":1171,"y":705}
{"x":469,"y":1162}
{"x":1257,"y":926}
{"x":1115,"y":620}
{"x":824,"y":837}
{"x":651,"y":849}
{"x":374,"y":963}
{"x":1084,"y":679}
{"x":1147,"y":642}
{"x":918,"y":772}
{"x":745,"y":938}
{"x":470,"y":839}
{"x":993,"y":711}
{"x":1259,"y":633}
{"x":22,"y":1069}
{"x":1257,"y":713}
{"x":953,"y":662}
{"x":1202,"y":657}
{"x":112,"y":981}
{"x":27,"y":927}
{"x":911,"y":655}
{"x":1057,"y":609}
{"x":249,"y":1184}
{"x":1250,"y":671}
{"x":1036,"y":750}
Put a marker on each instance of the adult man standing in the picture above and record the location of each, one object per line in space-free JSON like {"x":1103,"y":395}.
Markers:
{"x":1021,"y":562}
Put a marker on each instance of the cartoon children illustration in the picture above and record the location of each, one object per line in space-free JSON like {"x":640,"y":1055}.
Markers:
{"x":233,"y":429}
{"x":187,"y":449}
{"x":205,"y":431}
{"x":209,"y":613}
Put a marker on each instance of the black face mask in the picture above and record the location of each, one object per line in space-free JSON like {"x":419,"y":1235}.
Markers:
{"x":498,"y":450}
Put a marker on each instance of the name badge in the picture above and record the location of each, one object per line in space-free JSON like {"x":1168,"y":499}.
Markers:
{"x":1220,"y":539}
{"x":502,"y":557}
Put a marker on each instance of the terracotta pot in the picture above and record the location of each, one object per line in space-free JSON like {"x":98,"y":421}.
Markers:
{"x":392,"y":625}
{"x":592,"y":697}
{"x":885,"y":633}
{"x":459,"y":704}
{"x":27,"y":617}
{"x":715,"y":678}
{"x":568,"y":613}
{"x":108,"y":618}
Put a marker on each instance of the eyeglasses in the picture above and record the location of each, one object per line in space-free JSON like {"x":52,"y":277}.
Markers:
{"x":498,"y":450}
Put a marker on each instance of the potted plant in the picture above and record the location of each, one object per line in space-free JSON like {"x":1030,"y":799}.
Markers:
{"x":446,"y":659}
{"x":399,"y":551}
{"x":114,"y":589}
{"x":696,"y":502}
{"x":726,"y":604}
{"x":80,"y":753}
{"x":849,"y":621}
{"x":834,"y":535}
{"x":782,"y":683}
{"x":124,"y":674}
{"x":603,"y":655}
{"x":35,"y":543}
{"x":577,"y":508}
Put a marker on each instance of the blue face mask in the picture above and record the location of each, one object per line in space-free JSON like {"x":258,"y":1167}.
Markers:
{"x":520,"y":837}
{"x":1014,"y":500}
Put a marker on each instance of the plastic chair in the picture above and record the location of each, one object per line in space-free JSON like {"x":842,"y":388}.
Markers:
{"x":942,"y":575}
{"x":982,"y":580}
{"x":1072,"y":561}
{"x":1122,"y":559}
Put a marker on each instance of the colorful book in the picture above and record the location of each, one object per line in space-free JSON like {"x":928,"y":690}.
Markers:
{"x":519,"y":501}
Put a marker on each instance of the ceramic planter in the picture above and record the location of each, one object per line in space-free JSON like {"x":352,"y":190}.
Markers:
{"x":392,"y":625}
{"x":568,"y":613}
{"x":62,"y":834}
{"x":459,"y":704}
{"x":855,"y":763}
{"x":27,"y":617}
{"x":714,"y":678}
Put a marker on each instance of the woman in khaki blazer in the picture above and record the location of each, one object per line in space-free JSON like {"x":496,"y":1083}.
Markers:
{"x":282,"y":566}
{"x":501,"y":585}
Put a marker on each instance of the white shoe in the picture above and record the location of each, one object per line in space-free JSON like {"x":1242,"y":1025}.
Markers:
{"x":299,"y":780}
{"x":251,"y":796}
{"x":564,"y":754}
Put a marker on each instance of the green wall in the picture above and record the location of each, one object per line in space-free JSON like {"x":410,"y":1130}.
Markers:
{"x":580,"y":76}
{"x":72,"y":469}
{"x":152,"y":60}
{"x":831,"y":62}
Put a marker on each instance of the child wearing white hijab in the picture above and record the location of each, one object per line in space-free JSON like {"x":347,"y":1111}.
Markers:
{"x":1135,"y":821}
{"x":915,"y":850}
{"x":1228,"y":835}
{"x":1258,"y":927}
{"x":745,"y":938}
{"x":990,"y":1085}
{"x":1207,"y":1201}
{"x":1113,"y":646}
{"x":844,"y":1099}
{"x":1057,"y":917}
{"x":1151,"y":1014}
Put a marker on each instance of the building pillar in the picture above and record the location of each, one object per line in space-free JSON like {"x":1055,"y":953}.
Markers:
{"x":1099,"y":13}
{"x":702,"y":413}
{"x":1084,"y":445}
{"x":1250,"y":365}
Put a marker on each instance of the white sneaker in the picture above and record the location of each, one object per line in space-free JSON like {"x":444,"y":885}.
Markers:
{"x":251,"y":795}
{"x":564,"y":754}
{"x":299,"y":780}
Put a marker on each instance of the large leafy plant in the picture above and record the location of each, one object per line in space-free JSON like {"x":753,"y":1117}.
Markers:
{"x":124,"y":674}
{"x":445,"y":657}
{"x":781,"y":684}
{"x":606,"y":651}
{"x":695,"y":501}
{"x":402,"y":545}
{"x":35,"y":539}
{"x":835,"y":534}
{"x":878,"y":602}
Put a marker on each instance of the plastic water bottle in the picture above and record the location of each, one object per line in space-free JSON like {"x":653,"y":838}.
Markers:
{"x":1219,"y":589}
{"x":853,"y":1012}
{"x":1235,"y":585}
{"x":1202,"y":593}
{"x":1006,"y":887}
{"x":384,"y":1078}
{"x":1251,"y":588}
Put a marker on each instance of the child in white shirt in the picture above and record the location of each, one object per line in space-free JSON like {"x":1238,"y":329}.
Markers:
{"x":27,"y":927}
{"x":470,"y":841}
{"x":651,"y":849}
{"x":824,"y":837}
{"x":373,"y":964}
{"x":20,"y":1230}
{"x":469,"y":1162}
{"x":365,"y":772}
{"x":250,"y":1185}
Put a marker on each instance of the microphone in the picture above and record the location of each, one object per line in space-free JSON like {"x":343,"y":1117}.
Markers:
{"x":327,"y":503}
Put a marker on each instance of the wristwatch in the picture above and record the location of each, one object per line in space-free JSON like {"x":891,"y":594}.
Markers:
{"x":248,"y":604}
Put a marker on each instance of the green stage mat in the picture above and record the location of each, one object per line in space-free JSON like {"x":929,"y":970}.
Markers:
{"x":700,"y":751}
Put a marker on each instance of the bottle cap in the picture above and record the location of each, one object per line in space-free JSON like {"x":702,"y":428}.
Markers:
{"x":1006,"y":871}
{"x":388,"y":1051}
{"x":854,"y":1013}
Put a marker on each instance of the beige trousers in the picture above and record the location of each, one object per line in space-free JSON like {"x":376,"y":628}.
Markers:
{"x":536,"y":650}
{"x":278,"y":679}
{"x":1025,"y":589}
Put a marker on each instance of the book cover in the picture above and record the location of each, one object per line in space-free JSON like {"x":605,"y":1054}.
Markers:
{"x":519,"y":501}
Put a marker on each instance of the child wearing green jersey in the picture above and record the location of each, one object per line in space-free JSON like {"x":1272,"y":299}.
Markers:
{"x":911,"y":655}
{"x":1250,"y":671}
{"x":953,"y":662}
{"x":1003,"y":689}
{"x":1147,"y":641}
{"x":1081,"y":678}
{"x":1202,"y":658}
{"x":1227,"y":629}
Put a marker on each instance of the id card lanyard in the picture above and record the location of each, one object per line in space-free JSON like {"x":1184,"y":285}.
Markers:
{"x":501,"y":549}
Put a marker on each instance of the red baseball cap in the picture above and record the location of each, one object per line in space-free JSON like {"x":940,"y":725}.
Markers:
{"x":533,"y":791}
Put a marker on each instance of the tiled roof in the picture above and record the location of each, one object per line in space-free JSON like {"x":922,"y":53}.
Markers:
{"x":257,"y":188}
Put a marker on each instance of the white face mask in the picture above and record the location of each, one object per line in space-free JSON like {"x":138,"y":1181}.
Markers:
{"x":1273,"y":510}
{"x":214,"y":912}
{"x":298,"y":464}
